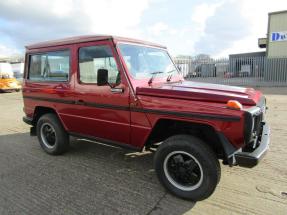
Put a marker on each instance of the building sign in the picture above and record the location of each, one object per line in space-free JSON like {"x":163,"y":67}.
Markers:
{"x":278,"y":36}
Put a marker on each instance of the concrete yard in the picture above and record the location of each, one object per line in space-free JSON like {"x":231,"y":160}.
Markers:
{"x":96,"y":179}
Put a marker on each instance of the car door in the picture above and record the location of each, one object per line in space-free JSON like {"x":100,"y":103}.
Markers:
{"x":101,"y":112}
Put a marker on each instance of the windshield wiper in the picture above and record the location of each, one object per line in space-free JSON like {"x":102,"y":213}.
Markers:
{"x":153,"y":76}
{"x":170,"y":76}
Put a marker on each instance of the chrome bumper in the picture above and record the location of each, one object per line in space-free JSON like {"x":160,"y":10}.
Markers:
{"x":251,"y":159}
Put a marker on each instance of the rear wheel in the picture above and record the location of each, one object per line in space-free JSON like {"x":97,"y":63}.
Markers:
{"x":51,"y":134}
{"x":187,"y":167}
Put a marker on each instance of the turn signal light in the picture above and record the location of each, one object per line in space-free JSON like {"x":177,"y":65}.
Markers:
{"x":233,"y":104}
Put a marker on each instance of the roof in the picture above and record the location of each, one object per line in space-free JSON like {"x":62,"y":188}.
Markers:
{"x":277,"y":12}
{"x":88,"y":38}
{"x":249,"y":54}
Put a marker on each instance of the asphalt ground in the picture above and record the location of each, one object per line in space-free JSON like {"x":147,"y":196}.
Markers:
{"x":96,"y":179}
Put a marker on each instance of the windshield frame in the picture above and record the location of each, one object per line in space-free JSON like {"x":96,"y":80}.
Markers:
{"x":176,"y":72}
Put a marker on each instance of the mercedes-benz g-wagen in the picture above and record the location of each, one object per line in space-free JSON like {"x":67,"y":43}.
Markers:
{"x":130,"y":93}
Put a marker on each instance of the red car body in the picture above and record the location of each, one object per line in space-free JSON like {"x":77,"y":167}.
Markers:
{"x":129,"y":116}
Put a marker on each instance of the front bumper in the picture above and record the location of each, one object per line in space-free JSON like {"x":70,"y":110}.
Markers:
{"x":251,"y":159}
{"x":9,"y":90}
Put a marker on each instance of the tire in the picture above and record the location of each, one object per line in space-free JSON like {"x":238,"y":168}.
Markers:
{"x":51,"y":135}
{"x":187,"y":167}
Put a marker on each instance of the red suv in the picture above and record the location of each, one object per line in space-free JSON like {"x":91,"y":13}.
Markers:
{"x":130,"y":93}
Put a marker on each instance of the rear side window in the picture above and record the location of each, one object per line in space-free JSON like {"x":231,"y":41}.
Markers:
{"x":50,"y":66}
{"x":93,"y":58}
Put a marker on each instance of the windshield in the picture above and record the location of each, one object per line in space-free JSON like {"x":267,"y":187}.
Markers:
{"x":145,"y":62}
{"x":6,"y":76}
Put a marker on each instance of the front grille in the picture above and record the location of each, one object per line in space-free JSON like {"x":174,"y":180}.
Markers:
{"x":257,"y":125}
{"x":253,"y":123}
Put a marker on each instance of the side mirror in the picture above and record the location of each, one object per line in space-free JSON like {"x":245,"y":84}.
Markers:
{"x":102,"y":77}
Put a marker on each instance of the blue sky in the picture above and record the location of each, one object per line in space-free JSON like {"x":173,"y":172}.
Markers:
{"x":214,"y":27}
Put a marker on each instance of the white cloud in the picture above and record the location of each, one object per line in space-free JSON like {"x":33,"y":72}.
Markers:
{"x":113,"y":16}
{"x":33,"y":20}
{"x":219,"y":28}
{"x":256,"y":12}
{"x":181,"y":40}
{"x":225,"y":26}
{"x":7,"y":51}
{"x":158,"y":28}
{"x":201,"y":13}
{"x":62,"y":8}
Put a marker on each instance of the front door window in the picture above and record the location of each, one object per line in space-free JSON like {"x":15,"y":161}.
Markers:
{"x":93,"y":58}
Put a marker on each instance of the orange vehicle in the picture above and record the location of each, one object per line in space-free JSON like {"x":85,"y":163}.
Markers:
{"x":7,"y":82}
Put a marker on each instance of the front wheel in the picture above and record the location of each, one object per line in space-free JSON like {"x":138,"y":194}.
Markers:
{"x":187,"y":167}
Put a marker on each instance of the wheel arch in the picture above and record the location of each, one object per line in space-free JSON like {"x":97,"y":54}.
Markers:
{"x":165,"y":128}
{"x":41,"y":110}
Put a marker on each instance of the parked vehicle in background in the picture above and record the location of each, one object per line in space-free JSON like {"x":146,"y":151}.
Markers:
{"x":7,"y":81}
{"x":130,"y":93}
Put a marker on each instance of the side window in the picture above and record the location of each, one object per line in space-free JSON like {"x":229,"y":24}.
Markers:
{"x":97,"y":57}
{"x":50,"y":66}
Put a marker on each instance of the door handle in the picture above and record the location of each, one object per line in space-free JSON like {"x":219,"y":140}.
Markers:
{"x":80,"y":102}
{"x":117,"y":90}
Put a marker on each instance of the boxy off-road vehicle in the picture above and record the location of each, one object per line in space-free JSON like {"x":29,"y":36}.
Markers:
{"x":130,"y":93}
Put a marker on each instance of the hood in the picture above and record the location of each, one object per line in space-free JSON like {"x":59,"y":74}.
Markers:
{"x":202,"y":92}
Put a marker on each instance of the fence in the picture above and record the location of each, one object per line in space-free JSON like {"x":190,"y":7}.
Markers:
{"x":255,"y":71}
